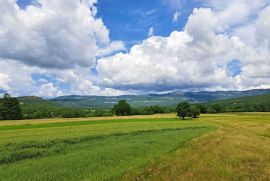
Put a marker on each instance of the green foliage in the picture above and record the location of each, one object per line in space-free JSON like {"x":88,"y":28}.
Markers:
{"x":122,"y":108}
{"x":38,"y":108}
{"x":10,"y":108}
{"x":194,"y":112}
{"x":202,"y":108}
{"x":183,"y":109}
{"x":215,"y":108}
{"x":244,"y":104}
{"x":149,"y":110}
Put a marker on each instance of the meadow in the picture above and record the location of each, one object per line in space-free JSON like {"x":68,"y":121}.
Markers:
{"x":157,"y":147}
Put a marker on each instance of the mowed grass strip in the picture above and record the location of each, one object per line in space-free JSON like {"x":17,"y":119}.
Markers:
{"x":77,"y":123}
{"x":98,"y":157}
{"x":51,"y":131}
{"x":65,"y":120}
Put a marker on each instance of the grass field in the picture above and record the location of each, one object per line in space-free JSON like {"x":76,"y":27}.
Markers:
{"x":159,"y":147}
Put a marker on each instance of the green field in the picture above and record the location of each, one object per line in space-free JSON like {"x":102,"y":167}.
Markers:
{"x":158,"y":147}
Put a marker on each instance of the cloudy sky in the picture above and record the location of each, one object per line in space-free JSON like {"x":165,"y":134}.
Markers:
{"x":50,"y":48}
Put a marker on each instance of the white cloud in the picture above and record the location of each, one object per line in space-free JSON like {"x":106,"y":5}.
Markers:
{"x":52,"y":38}
{"x":151,"y":32}
{"x":62,"y":39}
{"x":4,"y":80}
{"x":195,"y":58}
{"x":53,"y":34}
{"x":48,"y":90}
{"x":263,"y":27}
{"x":17,"y":77}
{"x":176,"y":16}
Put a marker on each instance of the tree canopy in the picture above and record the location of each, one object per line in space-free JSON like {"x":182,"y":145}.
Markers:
{"x":183,"y":108}
{"x":122,"y":108}
{"x":10,"y":108}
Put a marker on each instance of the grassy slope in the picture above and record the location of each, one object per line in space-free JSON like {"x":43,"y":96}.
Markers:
{"x":95,"y":150}
{"x":238,"y":150}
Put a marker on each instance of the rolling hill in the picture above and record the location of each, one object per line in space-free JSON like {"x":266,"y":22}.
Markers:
{"x":169,"y":99}
{"x":259,"y":103}
{"x":36,"y":107}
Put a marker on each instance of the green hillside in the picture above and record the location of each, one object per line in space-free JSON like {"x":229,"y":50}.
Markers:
{"x":36,"y":107}
{"x":259,"y":103}
{"x":169,"y":99}
{"x":88,"y":106}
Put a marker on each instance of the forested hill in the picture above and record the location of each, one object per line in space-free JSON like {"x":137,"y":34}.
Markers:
{"x":170,"y":99}
{"x":260,"y":103}
{"x":36,"y":107}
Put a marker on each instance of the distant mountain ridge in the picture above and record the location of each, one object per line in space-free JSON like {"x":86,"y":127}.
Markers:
{"x":168,"y":99}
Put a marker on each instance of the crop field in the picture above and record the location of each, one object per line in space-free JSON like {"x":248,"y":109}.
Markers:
{"x":159,"y":147}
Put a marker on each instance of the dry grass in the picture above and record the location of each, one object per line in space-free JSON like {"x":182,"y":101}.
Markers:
{"x":238,"y":150}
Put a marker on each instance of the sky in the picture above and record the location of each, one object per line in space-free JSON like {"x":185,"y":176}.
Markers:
{"x":51,"y":48}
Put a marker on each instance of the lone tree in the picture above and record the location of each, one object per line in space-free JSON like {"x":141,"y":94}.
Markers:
{"x":122,"y":108}
{"x":183,"y":109}
{"x":10,"y":108}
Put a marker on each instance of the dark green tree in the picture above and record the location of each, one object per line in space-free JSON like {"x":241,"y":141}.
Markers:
{"x":10,"y":108}
{"x":194,"y":112}
{"x":202,"y":108}
{"x":216,"y":108}
{"x":183,"y":109}
{"x":122,"y":108}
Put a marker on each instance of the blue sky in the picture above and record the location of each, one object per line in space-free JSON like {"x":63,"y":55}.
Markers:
{"x":131,"y":20}
{"x":60,"y":47}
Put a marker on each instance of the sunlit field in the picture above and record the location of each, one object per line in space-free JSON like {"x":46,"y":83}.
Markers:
{"x":158,"y":147}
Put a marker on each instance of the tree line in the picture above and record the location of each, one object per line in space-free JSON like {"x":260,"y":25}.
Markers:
{"x":10,"y":109}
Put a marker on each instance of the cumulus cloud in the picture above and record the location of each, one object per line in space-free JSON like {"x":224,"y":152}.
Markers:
{"x":82,"y":83}
{"x":52,"y":38}
{"x":15,"y":77}
{"x":4,"y":80}
{"x":54,"y":34}
{"x":61,"y":39}
{"x":263,"y":27}
{"x":48,"y":90}
{"x":195,"y":58}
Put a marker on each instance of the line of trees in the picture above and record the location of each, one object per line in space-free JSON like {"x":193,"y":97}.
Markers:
{"x":183,"y":109}
{"x":123,"y":108}
{"x":10,"y":109}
